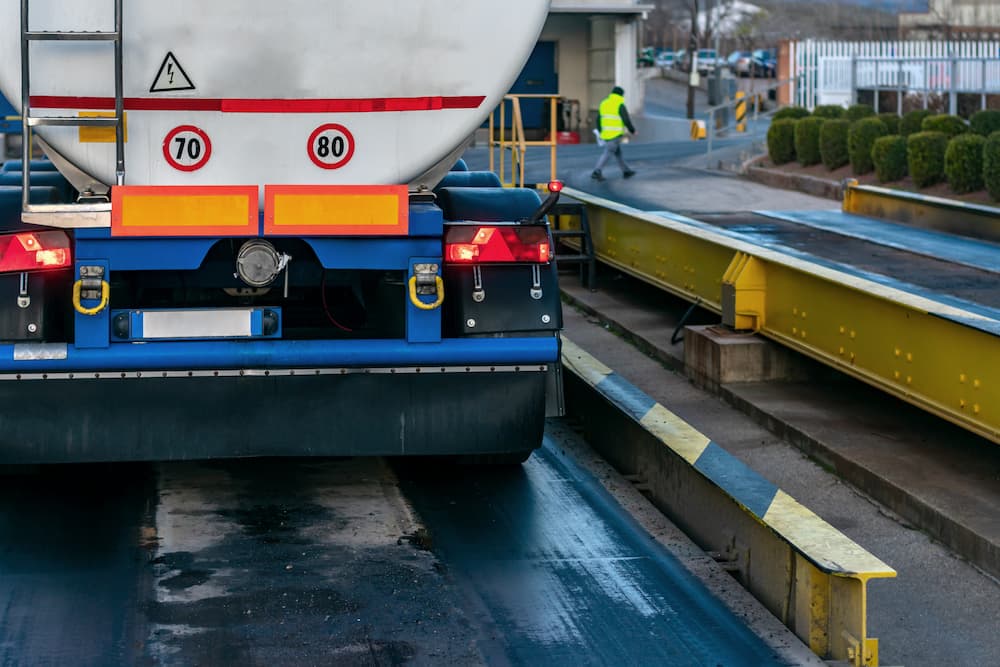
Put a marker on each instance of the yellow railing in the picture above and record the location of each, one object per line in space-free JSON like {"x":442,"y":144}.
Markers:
{"x":512,"y":141}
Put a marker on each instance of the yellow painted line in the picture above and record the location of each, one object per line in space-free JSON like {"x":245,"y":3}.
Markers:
{"x":828,"y":547}
{"x":689,"y":443}
{"x":928,"y":353}
{"x":583,"y":364}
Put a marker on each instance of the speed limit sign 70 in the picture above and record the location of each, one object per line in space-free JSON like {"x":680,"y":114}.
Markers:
{"x":330,"y":146}
{"x":187,"y":148}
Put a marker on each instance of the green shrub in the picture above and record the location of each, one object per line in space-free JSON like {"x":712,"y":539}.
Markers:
{"x":828,"y":111}
{"x":860,"y":138}
{"x":925,"y":157}
{"x":781,"y":140}
{"x":833,"y":143}
{"x":807,"y":140}
{"x":858,"y":111}
{"x":891,"y":121}
{"x":985,"y":122}
{"x":790,"y":112}
{"x":889,"y":158}
{"x":910,"y":122}
{"x":991,"y":165}
{"x":963,"y":163}
{"x":950,"y":125}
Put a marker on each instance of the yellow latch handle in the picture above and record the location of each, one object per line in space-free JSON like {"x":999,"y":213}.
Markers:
{"x":105,"y":297}
{"x":420,"y":304}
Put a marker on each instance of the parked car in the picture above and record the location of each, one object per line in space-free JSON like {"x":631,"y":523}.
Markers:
{"x":708,"y":60}
{"x":646,"y":57}
{"x":759,"y":63}
{"x":682,"y":61}
{"x":665,"y":59}
{"x":739,"y":62}
{"x":764,"y":63}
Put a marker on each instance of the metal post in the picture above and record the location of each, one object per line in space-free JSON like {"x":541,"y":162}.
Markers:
{"x":899,"y":89}
{"x":552,"y":136}
{"x":493,"y":114}
{"x":854,"y":78}
{"x":876,"y":86}
{"x":25,"y":110}
{"x":953,"y":87}
{"x":119,"y":96}
{"x":927,"y":84}
{"x":503,"y":143}
{"x":982,"y":96}
{"x":710,"y":131}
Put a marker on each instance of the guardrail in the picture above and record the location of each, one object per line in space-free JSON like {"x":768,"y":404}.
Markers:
{"x":808,"y":574}
{"x":933,"y":355}
{"x":944,"y":215}
{"x":753,"y":99}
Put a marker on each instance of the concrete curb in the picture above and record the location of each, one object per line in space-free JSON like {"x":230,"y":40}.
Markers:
{"x":731,"y":510}
{"x":810,"y":185}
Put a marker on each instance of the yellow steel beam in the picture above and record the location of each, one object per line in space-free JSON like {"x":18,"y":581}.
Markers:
{"x":933,"y":355}
{"x":946,"y":215}
{"x":806,"y":572}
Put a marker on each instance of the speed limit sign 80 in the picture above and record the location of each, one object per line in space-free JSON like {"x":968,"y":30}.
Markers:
{"x":330,"y":146}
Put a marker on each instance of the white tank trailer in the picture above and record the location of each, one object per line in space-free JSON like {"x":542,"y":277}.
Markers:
{"x":265,"y":92}
{"x":268,"y":256}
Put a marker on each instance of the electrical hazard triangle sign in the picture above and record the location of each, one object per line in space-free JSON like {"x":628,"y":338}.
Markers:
{"x":171,"y":77}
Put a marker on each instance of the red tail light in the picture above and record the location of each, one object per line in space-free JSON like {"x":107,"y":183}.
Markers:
{"x":34,"y":251}
{"x":474,"y":244}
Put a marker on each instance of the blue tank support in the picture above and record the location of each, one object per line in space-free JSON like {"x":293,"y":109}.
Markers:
{"x":10,"y":204}
{"x":51,"y":178}
{"x":36,"y":165}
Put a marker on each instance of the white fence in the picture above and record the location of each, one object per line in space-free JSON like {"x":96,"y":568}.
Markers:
{"x":833,"y":72}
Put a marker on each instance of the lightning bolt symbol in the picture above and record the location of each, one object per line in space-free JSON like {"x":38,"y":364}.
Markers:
{"x":170,"y":72}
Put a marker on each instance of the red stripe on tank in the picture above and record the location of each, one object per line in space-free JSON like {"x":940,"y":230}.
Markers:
{"x":229,"y":105}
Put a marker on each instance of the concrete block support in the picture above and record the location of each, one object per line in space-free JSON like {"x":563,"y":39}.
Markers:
{"x":715,"y":355}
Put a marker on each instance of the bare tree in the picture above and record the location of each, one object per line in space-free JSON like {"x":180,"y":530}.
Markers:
{"x":692,"y":8}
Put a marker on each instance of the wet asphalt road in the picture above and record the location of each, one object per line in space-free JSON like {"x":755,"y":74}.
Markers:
{"x":316,"y":562}
{"x":71,"y":565}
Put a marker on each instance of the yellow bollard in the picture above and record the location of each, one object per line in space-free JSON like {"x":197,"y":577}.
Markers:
{"x":697,"y":129}
{"x":741,"y":111}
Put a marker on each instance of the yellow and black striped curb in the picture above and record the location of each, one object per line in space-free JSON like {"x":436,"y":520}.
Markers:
{"x":806,"y":572}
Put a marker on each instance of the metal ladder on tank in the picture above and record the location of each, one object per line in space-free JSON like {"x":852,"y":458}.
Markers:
{"x":29,"y":121}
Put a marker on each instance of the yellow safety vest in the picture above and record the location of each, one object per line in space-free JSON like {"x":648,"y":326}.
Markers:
{"x":611,"y":123}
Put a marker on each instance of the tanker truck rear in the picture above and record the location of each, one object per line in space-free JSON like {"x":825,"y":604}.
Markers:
{"x":258,"y":249}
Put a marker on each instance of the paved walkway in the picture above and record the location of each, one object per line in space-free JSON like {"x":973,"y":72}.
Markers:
{"x":677,"y":175}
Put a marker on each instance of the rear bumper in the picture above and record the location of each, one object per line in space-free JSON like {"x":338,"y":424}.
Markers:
{"x":30,"y":359}
{"x":442,"y":411}
{"x":197,"y":400}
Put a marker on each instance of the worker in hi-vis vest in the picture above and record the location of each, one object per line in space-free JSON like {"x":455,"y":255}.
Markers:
{"x":612,"y":119}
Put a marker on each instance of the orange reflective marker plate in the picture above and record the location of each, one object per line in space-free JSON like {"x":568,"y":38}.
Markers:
{"x":141,"y":210}
{"x":336,"y":210}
